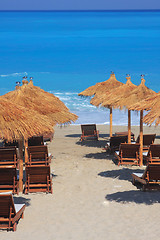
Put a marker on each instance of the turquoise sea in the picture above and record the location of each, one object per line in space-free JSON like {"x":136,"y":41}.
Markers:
{"x":66,"y":52}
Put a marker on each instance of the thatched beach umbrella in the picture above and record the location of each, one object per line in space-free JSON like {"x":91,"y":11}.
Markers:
{"x":103,"y":87}
{"x":42,"y":102}
{"x":109,"y":100}
{"x":16,"y":123}
{"x":34,"y":98}
{"x":136,"y":96}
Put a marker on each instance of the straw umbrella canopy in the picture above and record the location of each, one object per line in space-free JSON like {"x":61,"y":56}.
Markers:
{"x":42,"y":102}
{"x":137,"y":95}
{"x":107,"y":100}
{"x":100,"y":87}
{"x":103,"y":87}
{"x":151,"y":103}
{"x":153,"y":116}
{"x":16,"y":123}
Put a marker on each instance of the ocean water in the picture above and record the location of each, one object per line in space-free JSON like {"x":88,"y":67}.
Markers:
{"x":66,"y":52}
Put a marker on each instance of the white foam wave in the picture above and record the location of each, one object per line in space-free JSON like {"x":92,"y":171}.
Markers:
{"x":88,"y":113}
{"x":13,"y":74}
{"x":64,"y":93}
{"x":65,"y":98}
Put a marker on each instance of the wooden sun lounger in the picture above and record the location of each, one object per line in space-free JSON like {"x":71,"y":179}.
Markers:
{"x":8,"y":156}
{"x":10,"y":213}
{"x":48,"y":137}
{"x":150,"y":178}
{"x":9,"y":180}
{"x":115,"y":142}
{"x":128,"y":154}
{"x":153,"y":154}
{"x":148,"y":139}
{"x":89,"y":131}
{"x":124,"y":134}
{"x":39,"y":155}
{"x":38,"y":179}
{"x":35,"y":141}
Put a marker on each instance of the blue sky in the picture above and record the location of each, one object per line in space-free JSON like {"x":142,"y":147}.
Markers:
{"x":78,"y":4}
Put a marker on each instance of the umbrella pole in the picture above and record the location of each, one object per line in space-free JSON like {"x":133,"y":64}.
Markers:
{"x":26,"y":150}
{"x":110,"y":122}
{"x":141,"y":139}
{"x":20,"y":144}
{"x":129,"y":126}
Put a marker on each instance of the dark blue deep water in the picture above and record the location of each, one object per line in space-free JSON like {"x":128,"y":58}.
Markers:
{"x":67,"y":52}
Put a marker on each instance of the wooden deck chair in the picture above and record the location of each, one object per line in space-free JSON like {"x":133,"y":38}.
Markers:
{"x":39,"y":155}
{"x":42,"y":148}
{"x":10,"y":213}
{"x":124,"y":134}
{"x":153,"y":154}
{"x":128,"y":154}
{"x":48,"y":137}
{"x":89,"y":131}
{"x":115,"y":142}
{"x":38,"y":179}
{"x":150,"y":178}
{"x":9,"y":180}
{"x":8,"y":156}
{"x":35,"y":141}
{"x":148,"y":139}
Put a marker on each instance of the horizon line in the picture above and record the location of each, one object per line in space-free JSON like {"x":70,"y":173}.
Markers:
{"x":106,"y":10}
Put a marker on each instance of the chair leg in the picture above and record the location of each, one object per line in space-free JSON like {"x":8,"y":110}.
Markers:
{"x":133,"y":181}
{"x":22,"y":216}
{"x":14,"y":226}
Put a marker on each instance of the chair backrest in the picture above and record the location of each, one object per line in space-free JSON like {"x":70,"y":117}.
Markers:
{"x":88,"y":129}
{"x":38,"y":156}
{"x":35,"y":141}
{"x":153,"y":172}
{"x":148,"y":139}
{"x":6,"y":205}
{"x":154,"y":150}
{"x":38,"y":174}
{"x":8,"y":155}
{"x":115,"y":141}
{"x":34,"y":149}
{"x":129,"y":150}
{"x":11,"y":144}
{"x":7,"y":175}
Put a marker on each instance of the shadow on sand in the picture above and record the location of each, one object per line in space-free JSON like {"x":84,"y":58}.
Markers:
{"x":92,"y":143}
{"x":22,"y":200}
{"x":106,"y":136}
{"x":53,"y":175}
{"x":73,"y":135}
{"x":122,"y":174}
{"x":134,"y":196}
{"x":101,"y":155}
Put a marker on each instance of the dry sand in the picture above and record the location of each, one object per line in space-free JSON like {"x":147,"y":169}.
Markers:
{"x":92,"y":197}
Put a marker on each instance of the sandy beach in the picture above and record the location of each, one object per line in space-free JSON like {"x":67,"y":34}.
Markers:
{"x":93,"y":198}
